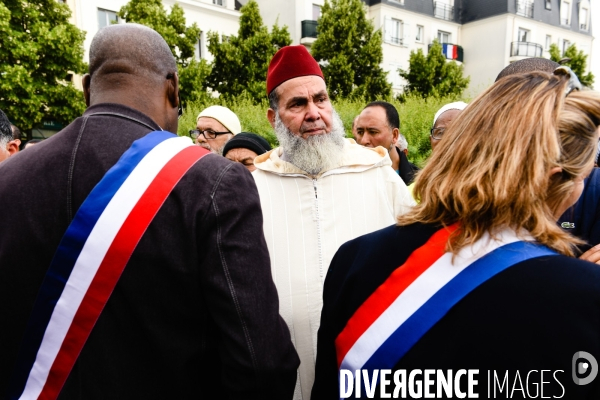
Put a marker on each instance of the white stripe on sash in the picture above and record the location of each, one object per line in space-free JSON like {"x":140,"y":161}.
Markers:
{"x":92,"y":255}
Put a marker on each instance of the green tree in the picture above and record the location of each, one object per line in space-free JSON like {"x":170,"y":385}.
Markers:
{"x":577,"y":62}
{"x":39,"y":48}
{"x":181,"y":39}
{"x":432,"y":75}
{"x":349,"y":51}
{"x":241,"y":62}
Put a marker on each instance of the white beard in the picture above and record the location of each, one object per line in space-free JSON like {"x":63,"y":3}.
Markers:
{"x":315,"y":154}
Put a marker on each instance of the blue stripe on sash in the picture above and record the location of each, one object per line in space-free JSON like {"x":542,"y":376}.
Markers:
{"x":69,"y":249}
{"x":409,"y":333}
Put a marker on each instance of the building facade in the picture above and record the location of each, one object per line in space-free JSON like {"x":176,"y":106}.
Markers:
{"x":484,"y":35}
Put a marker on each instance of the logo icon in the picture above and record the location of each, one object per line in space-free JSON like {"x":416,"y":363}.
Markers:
{"x":585,"y":368}
{"x":568,"y":225}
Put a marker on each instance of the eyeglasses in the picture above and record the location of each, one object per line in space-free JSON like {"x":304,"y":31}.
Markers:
{"x":437,"y":133}
{"x":207,"y":133}
{"x":574,"y":83}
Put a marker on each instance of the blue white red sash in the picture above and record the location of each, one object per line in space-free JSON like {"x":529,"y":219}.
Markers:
{"x":419,"y":293}
{"x":91,"y":257}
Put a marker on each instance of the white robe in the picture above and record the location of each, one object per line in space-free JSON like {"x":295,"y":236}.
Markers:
{"x":305,"y":222}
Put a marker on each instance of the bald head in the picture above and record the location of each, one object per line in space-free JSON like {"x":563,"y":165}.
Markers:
{"x":131,"y":64}
{"x":130,"y":50}
{"x":528,"y":65}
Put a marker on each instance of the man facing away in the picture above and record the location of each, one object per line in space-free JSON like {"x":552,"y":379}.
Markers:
{"x":378,"y":124}
{"x":317,"y":191}
{"x":194,"y":313}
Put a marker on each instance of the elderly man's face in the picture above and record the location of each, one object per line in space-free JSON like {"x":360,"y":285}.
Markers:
{"x":372,"y":128}
{"x":217,"y":144}
{"x":442,"y":123}
{"x":243,"y":156}
{"x":304,"y":106}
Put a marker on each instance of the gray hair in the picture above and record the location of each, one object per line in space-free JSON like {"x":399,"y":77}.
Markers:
{"x":402,"y":143}
{"x":274,"y":100}
{"x":5,"y":129}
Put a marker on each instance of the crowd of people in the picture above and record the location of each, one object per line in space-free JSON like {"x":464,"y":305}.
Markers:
{"x":147,"y":265}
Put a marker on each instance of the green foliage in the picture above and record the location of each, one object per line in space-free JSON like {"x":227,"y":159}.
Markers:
{"x":350,"y":52}
{"x":577,"y":62}
{"x":181,"y":39}
{"x":38,"y":49}
{"x":192,"y":81}
{"x":241,"y":62}
{"x":416,"y":118}
{"x":432,"y":75}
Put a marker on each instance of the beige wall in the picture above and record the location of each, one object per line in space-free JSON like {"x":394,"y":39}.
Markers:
{"x":485,"y":50}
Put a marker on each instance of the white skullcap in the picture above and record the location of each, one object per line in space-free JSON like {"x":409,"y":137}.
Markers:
{"x":225,"y":116}
{"x":457,"y":105}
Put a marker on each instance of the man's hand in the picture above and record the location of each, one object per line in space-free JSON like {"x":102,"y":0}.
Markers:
{"x":592,"y":255}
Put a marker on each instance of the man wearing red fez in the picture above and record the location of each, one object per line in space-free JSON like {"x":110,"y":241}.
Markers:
{"x":317,"y":191}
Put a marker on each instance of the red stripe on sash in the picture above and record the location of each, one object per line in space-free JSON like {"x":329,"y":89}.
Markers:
{"x":114,"y":263}
{"x":379,"y":301}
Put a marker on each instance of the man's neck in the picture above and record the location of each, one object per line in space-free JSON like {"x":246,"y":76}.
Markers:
{"x":395,"y":158}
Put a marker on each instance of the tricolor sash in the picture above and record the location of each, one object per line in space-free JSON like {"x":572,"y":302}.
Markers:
{"x":420,"y":292}
{"x":91,"y":257}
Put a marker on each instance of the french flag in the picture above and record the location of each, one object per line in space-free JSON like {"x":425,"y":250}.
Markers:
{"x":450,"y":51}
{"x":420,"y":292}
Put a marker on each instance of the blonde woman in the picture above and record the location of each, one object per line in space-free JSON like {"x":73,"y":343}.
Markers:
{"x":480,"y":293}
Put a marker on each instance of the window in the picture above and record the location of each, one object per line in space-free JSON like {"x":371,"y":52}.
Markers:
{"x":548,"y":42}
{"x":444,"y":37}
{"x":219,"y":2}
{"x":566,"y":45}
{"x":419,"y":37}
{"x":583,"y":18}
{"x":565,"y":13}
{"x":525,"y":8}
{"x":106,"y":17}
{"x":316,"y":11}
{"x":198,"y":47}
{"x":396,"y":31}
{"x":523,"y":35}
{"x":548,"y":4}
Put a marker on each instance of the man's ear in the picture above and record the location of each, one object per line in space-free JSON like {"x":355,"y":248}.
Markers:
{"x":86,"y":88}
{"x":395,"y":133}
{"x":554,"y":171}
{"x":271,"y":117}
{"x":13,"y":146}
{"x":173,"y":90}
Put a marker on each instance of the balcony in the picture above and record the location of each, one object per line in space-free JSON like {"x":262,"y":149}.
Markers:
{"x":583,"y":27}
{"x":309,"y":29}
{"x":452,"y":52}
{"x":443,"y":11}
{"x":520,"y":50}
{"x":396,"y":40}
{"x":525,"y":8}
{"x":565,"y":21}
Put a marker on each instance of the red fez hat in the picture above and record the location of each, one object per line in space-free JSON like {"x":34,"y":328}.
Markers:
{"x":291,"y":62}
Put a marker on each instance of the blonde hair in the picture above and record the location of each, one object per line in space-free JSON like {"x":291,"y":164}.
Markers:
{"x":492,"y":169}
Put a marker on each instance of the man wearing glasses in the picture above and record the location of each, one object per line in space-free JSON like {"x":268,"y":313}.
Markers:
{"x":215,"y":125}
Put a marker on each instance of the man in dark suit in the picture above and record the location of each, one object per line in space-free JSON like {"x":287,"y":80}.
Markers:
{"x":194,"y":313}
